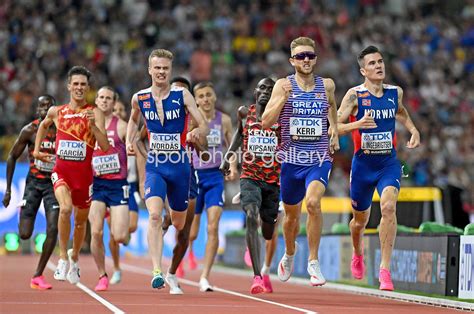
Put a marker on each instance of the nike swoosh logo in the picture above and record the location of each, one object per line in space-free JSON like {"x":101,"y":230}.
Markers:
{"x":295,"y":95}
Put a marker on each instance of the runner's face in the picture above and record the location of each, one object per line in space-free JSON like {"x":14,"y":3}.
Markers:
{"x":119,"y":110}
{"x":374,"y":67}
{"x":263,"y":91}
{"x":205,"y":98}
{"x":78,"y":87}
{"x":160,"y":70}
{"x":43,"y":107}
{"x":105,"y":100}
{"x":304,"y":66}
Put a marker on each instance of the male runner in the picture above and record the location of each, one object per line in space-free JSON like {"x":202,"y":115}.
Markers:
{"x":78,"y":126}
{"x":210,"y":179}
{"x":303,"y":103}
{"x":38,"y":187}
{"x":164,"y":109}
{"x":110,"y":189}
{"x":259,"y":181}
{"x":373,"y":108}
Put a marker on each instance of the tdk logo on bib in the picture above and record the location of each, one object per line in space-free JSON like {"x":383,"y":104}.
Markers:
{"x":377,"y":136}
{"x":165,"y":137}
{"x":73,"y":144}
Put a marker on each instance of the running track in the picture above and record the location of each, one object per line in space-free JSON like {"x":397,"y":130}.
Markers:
{"x":134,"y":294}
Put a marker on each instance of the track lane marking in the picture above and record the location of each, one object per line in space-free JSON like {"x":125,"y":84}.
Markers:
{"x":94,"y":295}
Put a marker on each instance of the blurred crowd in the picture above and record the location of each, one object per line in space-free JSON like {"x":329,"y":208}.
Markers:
{"x":427,"y":45}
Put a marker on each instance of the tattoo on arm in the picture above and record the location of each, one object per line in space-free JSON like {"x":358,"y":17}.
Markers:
{"x":352,"y":97}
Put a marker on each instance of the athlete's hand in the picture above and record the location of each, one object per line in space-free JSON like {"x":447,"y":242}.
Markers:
{"x":131,"y":150}
{"x":367,"y":121}
{"x":414,"y":140}
{"x":193,"y":136}
{"x":90,"y":115}
{"x":333,"y":142}
{"x":287,"y":88}
{"x":6,"y":198}
{"x":224,"y":168}
{"x":232,"y":174}
{"x":43,"y":156}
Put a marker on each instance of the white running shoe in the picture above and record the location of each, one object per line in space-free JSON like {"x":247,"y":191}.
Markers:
{"x":172,"y":281}
{"x":316,"y":276}
{"x":116,"y":277}
{"x":285,"y":267}
{"x":73,"y":273}
{"x":204,"y":285}
{"x":61,"y":270}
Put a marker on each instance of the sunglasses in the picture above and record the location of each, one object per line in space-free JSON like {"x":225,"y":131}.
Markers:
{"x":303,"y":55}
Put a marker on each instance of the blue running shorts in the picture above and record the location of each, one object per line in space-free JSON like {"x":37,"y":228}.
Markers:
{"x":294,"y":177}
{"x":210,"y":189}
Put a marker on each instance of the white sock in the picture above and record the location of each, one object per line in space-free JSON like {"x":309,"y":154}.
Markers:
{"x":265,"y":270}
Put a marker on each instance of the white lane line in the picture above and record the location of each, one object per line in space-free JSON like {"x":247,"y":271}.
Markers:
{"x":94,"y":295}
{"x":143,"y":271}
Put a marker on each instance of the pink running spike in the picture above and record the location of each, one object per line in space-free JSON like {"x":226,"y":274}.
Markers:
{"x":257,"y":286}
{"x":39,"y":283}
{"x":267,"y":284}
{"x":385,"y":280}
{"x":357,"y":266}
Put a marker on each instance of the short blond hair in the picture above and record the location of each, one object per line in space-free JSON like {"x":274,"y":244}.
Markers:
{"x":160,"y":53}
{"x":302,"y":41}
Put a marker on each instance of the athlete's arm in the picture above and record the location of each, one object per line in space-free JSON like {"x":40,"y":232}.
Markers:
{"x":41,"y":134}
{"x":21,"y":142}
{"x":330,"y":88}
{"x":236,"y":141}
{"x":132,"y":127}
{"x":349,"y":107}
{"x":281,"y":92}
{"x":198,"y":135}
{"x":227,"y":126}
{"x":404,"y":118}
{"x":122,"y":129}
{"x":97,"y":125}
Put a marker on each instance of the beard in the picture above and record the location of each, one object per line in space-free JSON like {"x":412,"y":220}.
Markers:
{"x":301,"y":69}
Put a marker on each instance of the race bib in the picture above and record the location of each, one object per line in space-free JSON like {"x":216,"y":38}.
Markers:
{"x":106,"y":164}
{"x":214,"y":138}
{"x":164,"y":142}
{"x":306,"y":129}
{"x":45,"y":166}
{"x":379,"y":143}
{"x":260,"y":145}
{"x":71,"y":150}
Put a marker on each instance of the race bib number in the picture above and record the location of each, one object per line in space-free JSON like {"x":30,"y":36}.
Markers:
{"x":306,"y":129}
{"x":106,"y":164}
{"x":71,"y":150}
{"x":379,"y":143}
{"x":261,"y":145}
{"x":45,"y":166}
{"x":163,"y":142}
{"x":214,"y":138}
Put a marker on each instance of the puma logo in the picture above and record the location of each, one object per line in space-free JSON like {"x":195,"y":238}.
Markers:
{"x":176,"y":101}
{"x":392,"y":101}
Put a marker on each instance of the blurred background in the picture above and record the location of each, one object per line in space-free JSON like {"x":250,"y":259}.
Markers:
{"x":427,"y":46}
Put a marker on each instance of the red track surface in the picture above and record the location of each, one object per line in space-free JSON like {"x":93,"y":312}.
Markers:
{"x":134,"y":294}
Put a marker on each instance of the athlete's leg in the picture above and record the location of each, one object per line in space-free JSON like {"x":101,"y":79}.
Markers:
{"x":251,"y":236}
{"x":63,"y":195}
{"x":114,"y":248}
{"x":154,"y":205}
{"x":314,"y":221}
{"x":182,"y":239}
{"x":30,"y":204}
{"x":96,"y":219}
{"x":213,"y":216}
{"x":133,"y":222}
{"x":119,"y":218}
{"x":52,"y":215}
{"x":80,"y":226}
{"x":388,"y":224}
{"x":291,"y":226}
{"x":357,"y":225}
{"x":270,"y":245}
